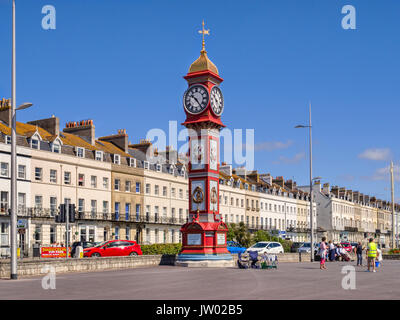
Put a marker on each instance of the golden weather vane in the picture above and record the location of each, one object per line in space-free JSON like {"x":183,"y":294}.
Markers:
{"x":204,"y":32}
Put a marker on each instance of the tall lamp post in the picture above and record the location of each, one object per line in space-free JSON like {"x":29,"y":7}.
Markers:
{"x":311,"y":186}
{"x":13,"y":218}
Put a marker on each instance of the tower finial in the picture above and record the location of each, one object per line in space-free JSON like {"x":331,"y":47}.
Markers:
{"x":204,"y":32}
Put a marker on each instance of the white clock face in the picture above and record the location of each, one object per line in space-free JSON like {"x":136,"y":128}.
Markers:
{"x":195,"y":99}
{"x":217,"y":100}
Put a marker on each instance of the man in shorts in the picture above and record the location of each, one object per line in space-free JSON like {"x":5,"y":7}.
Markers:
{"x":371,"y":254}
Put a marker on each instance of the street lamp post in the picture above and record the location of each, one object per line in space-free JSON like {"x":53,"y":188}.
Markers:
{"x":13,"y":219}
{"x":311,"y":186}
{"x":13,"y":213}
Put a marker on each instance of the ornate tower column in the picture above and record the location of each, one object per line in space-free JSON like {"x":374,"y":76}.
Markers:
{"x":204,"y":236}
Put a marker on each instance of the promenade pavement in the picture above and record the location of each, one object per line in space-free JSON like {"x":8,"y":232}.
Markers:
{"x":289,"y":281}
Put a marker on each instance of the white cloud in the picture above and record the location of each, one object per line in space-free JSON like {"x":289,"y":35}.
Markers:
{"x":272,"y":145}
{"x":384,"y":173}
{"x":377,"y":154}
{"x":296,"y":159}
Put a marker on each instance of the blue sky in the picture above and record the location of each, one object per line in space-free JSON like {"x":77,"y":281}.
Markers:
{"x":121,"y":64}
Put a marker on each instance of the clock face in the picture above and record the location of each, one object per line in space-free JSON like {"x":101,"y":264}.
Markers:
{"x":195,"y":99}
{"x":217,"y":101}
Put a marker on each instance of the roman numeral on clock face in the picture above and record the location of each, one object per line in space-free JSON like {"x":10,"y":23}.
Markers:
{"x":195,"y":99}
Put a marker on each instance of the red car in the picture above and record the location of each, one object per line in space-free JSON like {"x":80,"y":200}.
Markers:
{"x":114,"y":248}
{"x":346,"y":246}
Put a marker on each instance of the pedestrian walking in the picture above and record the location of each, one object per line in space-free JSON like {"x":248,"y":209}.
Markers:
{"x":359,"y":251}
{"x":332,"y":251}
{"x":322,"y":253}
{"x":379,"y":258}
{"x":371,"y":254}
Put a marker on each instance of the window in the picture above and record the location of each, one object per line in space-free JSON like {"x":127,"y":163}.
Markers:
{"x":147,"y":213}
{"x":8,"y":139}
{"x":164,"y":213}
{"x":38,"y":174}
{"x":105,"y":207}
{"x":156,"y":235}
{"x":137,"y":187}
{"x":4,"y":169}
{"x":56,"y":148}
{"x":147,"y":188}
{"x":53,"y":234}
{"x":173,"y":192}
{"x":116,"y":210}
{"x":127,"y":186}
{"x":4,"y":201}
{"x":127,"y":233}
{"x":105,"y":183}
{"x":80,"y":152}
{"x":116,"y":184}
{"x":164,"y":191}
{"x":53,"y":206}
{"x":99,"y":156}
{"x":81,"y":206}
{"x":146,"y":165}
{"x":158,"y":167}
{"x":21,"y":202}
{"x":67,"y":177}
{"x":38,"y":202}
{"x":117,"y":159}
{"x":132,"y":162}
{"x":38,"y":233}
{"x":181,"y":193}
{"x":156,"y":213}
{"x":35,"y":144}
{"x":137,"y":211}
{"x":127,"y":211}
{"x":81,"y":180}
{"x":116,"y":233}
{"x":53,"y":176}
{"x":21,"y":171}
{"x":156,"y":189}
{"x":93,"y":181}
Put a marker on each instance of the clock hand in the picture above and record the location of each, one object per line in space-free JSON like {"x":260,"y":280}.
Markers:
{"x":197,"y":101}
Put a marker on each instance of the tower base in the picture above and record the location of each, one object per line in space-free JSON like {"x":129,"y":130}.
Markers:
{"x":205,"y":261}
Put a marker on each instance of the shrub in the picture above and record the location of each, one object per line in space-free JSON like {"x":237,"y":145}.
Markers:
{"x":161,"y":248}
{"x":394,"y":251}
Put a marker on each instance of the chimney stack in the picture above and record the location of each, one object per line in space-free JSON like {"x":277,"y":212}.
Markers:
{"x":52,"y":125}
{"x":84,"y":129}
{"x":5,"y":111}
{"x":279,"y":181}
{"x":120,"y":140}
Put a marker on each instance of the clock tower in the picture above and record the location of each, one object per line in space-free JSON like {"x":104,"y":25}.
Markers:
{"x":204,"y":236}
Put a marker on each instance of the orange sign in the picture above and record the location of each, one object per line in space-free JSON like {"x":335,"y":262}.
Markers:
{"x":54,"y":252}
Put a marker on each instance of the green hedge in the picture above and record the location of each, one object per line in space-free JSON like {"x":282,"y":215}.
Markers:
{"x":161,"y":248}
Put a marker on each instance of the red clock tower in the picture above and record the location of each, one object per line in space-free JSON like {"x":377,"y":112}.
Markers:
{"x":204,"y":236}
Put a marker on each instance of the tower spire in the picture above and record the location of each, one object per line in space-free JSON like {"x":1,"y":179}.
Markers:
{"x":204,"y":32}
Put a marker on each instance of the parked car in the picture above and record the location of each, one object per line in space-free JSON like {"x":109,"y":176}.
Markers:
{"x":114,"y":248}
{"x":83,"y":244}
{"x":266,"y":247}
{"x":295,"y":246}
{"x":347,"y":246}
{"x":306,"y":247}
{"x":235,"y":247}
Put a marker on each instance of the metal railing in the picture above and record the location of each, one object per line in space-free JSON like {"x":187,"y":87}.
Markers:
{"x":24,"y":212}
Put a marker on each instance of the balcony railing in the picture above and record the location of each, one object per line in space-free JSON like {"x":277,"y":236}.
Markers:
{"x":24,"y":212}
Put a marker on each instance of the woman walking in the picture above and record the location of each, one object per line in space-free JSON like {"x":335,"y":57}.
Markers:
{"x":322,"y":253}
